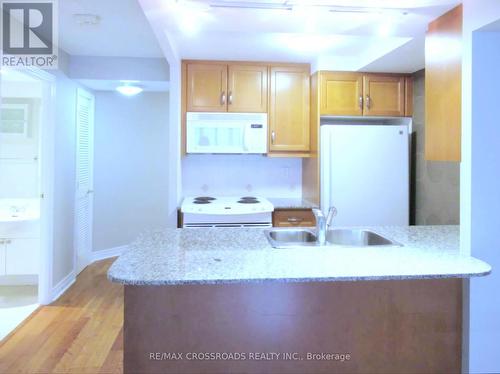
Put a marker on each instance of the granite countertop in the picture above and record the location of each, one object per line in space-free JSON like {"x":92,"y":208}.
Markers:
{"x":291,"y":203}
{"x":238,"y":255}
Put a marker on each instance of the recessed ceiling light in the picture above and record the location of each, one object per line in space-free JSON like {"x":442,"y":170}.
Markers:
{"x":129,"y":90}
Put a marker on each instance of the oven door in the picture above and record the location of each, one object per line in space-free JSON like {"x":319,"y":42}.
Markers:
{"x":226,"y":133}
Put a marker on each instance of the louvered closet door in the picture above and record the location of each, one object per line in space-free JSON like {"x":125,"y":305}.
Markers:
{"x":84,"y":178}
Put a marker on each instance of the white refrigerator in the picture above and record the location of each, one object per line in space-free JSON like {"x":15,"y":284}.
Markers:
{"x":365,"y":173}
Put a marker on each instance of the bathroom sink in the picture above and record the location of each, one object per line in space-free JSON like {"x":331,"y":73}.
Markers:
{"x":357,"y":238}
{"x":282,"y":238}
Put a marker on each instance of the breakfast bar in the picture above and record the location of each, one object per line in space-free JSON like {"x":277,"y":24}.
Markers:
{"x":224,"y":300}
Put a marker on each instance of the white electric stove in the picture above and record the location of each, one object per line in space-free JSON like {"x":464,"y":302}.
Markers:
{"x":244,"y":211}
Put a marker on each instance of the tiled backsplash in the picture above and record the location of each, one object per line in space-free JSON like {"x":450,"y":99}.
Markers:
{"x":237,"y":175}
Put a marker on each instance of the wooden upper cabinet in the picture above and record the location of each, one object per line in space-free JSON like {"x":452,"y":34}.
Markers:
{"x":341,"y":94}
{"x":289,"y":109}
{"x":206,"y":87}
{"x":443,"y":87}
{"x":247,"y":88}
{"x":408,"y":96}
{"x":384,"y":95}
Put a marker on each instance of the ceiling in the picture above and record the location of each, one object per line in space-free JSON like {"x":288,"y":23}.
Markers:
{"x":122,"y":29}
{"x":110,"y":85}
{"x":492,"y":27}
{"x":335,"y":34}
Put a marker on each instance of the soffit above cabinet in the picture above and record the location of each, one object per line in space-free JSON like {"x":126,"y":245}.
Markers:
{"x":334,"y":35}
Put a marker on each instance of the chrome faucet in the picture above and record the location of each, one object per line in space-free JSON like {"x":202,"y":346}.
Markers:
{"x":320,"y":226}
{"x":323,"y":223}
{"x":332,"y":212}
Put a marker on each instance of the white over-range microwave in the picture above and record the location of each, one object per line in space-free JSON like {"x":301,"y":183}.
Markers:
{"x":226,"y":132}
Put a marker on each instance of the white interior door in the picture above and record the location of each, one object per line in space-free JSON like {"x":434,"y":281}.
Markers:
{"x":84,"y":178}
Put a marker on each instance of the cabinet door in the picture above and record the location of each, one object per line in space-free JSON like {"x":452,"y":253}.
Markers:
{"x":289,"y":109}
{"x":341,"y":94}
{"x":384,"y":95}
{"x":443,"y":87}
{"x":2,"y":257}
{"x":22,"y":256}
{"x":293,"y":218}
{"x":408,"y":96}
{"x":206,"y":87}
{"x":247,"y":88}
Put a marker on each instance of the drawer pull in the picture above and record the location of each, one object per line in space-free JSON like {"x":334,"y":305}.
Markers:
{"x":294,"y":219}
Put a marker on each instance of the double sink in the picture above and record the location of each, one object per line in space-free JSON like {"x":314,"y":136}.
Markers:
{"x":283,"y":238}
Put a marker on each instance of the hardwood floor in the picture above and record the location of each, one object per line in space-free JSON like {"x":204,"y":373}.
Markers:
{"x":82,"y":332}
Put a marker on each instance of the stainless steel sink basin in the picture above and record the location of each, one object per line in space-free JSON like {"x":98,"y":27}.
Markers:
{"x":357,"y":238}
{"x":282,"y":238}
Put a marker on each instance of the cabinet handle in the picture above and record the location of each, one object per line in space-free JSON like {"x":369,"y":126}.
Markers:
{"x":8,"y":241}
{"x":360,"y":102}
{"x":223,"y":98}
{"x":273,"y":136}
{"x":230,"y":98}
{"x":2,"y":242}
{"x":368,"y":102}
{"x":294,"y":219}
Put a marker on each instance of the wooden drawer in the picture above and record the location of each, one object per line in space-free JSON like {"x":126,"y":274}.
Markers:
{"x":293,"y":218}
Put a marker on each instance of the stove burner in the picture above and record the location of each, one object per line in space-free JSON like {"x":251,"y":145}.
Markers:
{"x":248,"y":198}
{"x":206,"y":198}
{"x":201,"y":202}
{"x":249,"y":201}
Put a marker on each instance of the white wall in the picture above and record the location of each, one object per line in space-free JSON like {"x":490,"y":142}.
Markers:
{"x":240,"y":175}
{"x":173,"y":150}
{"x":131,"y":166}
{"x":19,"y":155}
{"x":119,"y":68}
{"x":480,"y":186}
{"x":29,"y":89}
{"x":484,"y":292}
{"x":64,"y":177}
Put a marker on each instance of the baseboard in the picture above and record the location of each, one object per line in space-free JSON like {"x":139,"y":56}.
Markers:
{"x":108,"y":253}
{"x":68,"y":280}
{"x":63,"y":285}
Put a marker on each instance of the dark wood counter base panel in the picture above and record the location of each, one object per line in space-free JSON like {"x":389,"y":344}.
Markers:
{"x":407,"y":326}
